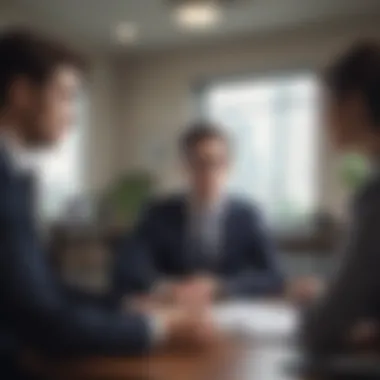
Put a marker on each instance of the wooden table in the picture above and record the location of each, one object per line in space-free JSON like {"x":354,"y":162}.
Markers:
{"x":230,"y":360}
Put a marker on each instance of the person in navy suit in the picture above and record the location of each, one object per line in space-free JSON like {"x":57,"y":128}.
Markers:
{"x":204,"y":242}
{"x":39,"y":80}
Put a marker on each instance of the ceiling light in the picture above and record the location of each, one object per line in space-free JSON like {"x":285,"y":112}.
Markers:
{"x":197,"y":14}
{"x":126,"y":33}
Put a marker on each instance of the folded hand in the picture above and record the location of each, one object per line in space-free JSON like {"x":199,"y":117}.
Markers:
{"x":188,"y":328}
{"x":197,"y":291}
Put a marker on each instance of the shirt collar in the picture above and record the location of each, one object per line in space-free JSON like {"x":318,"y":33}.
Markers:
{"x":215,"y":208}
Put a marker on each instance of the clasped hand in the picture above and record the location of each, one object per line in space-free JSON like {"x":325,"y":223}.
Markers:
{"x":184,"y":310}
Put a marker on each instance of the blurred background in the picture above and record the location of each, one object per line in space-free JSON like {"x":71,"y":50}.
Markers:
{"x":253,"y":65}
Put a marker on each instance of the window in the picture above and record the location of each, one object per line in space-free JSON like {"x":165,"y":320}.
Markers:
{"x":273,"y":123}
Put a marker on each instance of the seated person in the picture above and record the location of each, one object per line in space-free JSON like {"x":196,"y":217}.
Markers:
{"x":353,"y":90}
{"x":204,"y":241}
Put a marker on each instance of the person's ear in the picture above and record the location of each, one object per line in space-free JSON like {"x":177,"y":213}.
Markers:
{"x":21,"y":92}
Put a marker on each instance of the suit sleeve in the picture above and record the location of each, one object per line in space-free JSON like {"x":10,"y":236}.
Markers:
{"x":352,"y":292}
{"x":262,"y":276}
{"x":39,"y":313}
{"x":135,"y":270}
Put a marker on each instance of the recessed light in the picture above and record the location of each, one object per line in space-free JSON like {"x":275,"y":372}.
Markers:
{"x":126,"y":33}
{"x":197,"y":14}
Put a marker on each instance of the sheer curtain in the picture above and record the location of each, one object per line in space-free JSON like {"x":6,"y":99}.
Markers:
{"x":273,"y":123}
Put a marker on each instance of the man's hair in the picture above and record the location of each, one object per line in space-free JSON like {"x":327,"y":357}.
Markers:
{"x":199,"y":132}
{"x":23,"y":53}
{"x":358,"y":71}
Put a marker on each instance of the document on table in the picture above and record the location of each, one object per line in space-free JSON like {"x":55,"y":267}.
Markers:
{"x":256,"y":319}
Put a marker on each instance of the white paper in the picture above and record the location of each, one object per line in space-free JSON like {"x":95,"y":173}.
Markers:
{"x":256,"y":319}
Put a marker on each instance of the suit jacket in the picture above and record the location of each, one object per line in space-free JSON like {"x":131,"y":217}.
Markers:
{"x":34,"y":311}
{"x":353,"y":294}
{"x":245,"y":262}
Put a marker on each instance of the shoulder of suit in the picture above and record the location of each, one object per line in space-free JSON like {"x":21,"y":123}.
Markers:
{"x":163,"y":203}
{"x":5,"y":168}
{"x":244,"y":206}
{"x":7,"y":189}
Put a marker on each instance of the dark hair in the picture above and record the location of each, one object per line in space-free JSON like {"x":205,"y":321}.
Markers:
{"x":23,"y":53}
{"x":358,"y":70}
{"x":199,"y":132}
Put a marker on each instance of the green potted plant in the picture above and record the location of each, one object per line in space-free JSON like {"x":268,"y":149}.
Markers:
{"x":124,"y":199}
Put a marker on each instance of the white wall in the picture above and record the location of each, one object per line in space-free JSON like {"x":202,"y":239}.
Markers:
{"x":101,"y":129}
{"x":10,"y":14}
{"x":158,"y":88}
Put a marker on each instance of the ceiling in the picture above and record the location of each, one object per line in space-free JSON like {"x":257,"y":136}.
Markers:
{"x":90,"y":22}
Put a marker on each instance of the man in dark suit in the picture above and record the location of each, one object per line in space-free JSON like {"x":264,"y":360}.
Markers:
{"x":204,"y":242}
{"x":353,"y":100}
{"x":38,"y":85}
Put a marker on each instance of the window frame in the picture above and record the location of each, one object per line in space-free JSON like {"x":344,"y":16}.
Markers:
{"x":199,"y":95}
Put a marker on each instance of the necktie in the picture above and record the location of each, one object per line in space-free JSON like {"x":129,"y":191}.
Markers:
{"x":204,"y":241}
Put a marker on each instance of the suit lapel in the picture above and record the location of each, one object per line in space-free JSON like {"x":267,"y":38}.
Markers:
{"x":226,"y":246}
{"x":179,"y":220}
{"x":22,"y":203}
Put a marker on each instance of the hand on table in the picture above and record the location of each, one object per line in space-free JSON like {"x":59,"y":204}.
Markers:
{"x":195,"y":292}
{"x":188,"y":328}
{"x":198,"y":291}
{"x":184,"y":323}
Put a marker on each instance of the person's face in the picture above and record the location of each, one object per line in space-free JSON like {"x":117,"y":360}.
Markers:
{"x":46,"y":112}
{"x":347,"y":122}
{"x":208,"y":165}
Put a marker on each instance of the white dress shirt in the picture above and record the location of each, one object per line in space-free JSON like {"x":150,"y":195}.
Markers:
{"x":205,"y":225}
